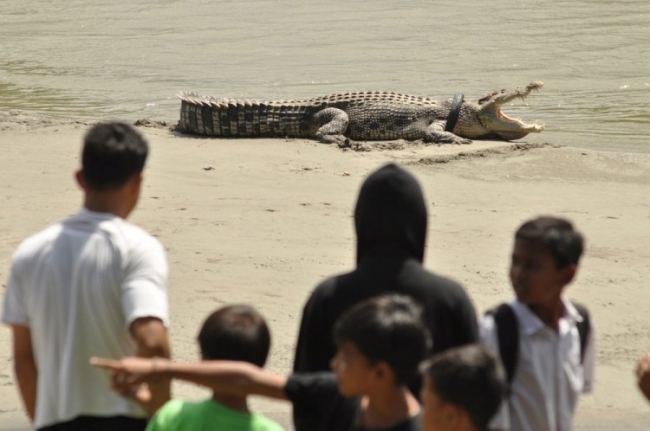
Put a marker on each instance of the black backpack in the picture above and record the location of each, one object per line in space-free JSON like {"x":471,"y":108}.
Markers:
{"x":507,"y":328}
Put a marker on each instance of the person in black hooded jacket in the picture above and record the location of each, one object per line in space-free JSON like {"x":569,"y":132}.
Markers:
{"x":391,"y":227}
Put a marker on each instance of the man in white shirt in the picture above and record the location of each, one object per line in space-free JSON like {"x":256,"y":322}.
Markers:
{"x":91,"y":285}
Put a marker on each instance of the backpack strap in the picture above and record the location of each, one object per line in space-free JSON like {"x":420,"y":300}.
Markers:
{"x":507,"y":328}
{"x":583,"y":327}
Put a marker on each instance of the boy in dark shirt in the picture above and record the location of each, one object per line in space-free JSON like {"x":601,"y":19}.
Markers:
{"x":380,"y":344}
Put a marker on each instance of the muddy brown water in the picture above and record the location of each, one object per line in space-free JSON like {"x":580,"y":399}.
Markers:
{"x":128,"y":60}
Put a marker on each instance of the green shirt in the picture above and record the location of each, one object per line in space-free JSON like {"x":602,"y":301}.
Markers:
{"x":208,"y":415}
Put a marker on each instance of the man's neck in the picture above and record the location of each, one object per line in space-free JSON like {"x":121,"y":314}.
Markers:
{"x":239,"y":404}
{"x":387,"y":408}
{"x":105,"y":204}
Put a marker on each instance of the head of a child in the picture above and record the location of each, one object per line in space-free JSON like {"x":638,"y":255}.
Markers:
{"x":380,"y":343}
{"x":545,"y":259}
{"x":463,"y":388}
{"x":235,"y":333}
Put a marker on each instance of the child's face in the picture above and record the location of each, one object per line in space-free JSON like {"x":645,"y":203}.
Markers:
{"x":353,"y":370}
{"x":534,"y":275}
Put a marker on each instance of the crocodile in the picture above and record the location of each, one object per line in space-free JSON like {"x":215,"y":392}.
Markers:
{"x":359,"y":116}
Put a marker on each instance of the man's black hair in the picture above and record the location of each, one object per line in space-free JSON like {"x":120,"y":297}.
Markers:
{"x":469,"y":377}
{"x":112,"y":154}
{"x":236,"y":333}
{"x":387,"y":328}
{"x":558,"y":235}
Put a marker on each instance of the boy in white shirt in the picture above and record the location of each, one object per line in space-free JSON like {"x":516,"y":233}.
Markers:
{"x":551,"y":359}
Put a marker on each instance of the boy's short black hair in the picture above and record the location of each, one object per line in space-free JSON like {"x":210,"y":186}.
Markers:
{"x":387,"y":328}
{"x":558,"y":235}
{"x":236,"y":333}
{"x":469,"y":377}
{"x":112,"y":154}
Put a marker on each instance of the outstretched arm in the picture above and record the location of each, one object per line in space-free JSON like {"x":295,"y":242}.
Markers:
{"x":231,"y":377}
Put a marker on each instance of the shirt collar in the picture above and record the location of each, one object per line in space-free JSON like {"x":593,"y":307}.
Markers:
{"x":530,"y":323}
{"x":94,"y":215}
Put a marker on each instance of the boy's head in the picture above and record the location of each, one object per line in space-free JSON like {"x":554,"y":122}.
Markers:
{"x":544,"y":259}
{"x":380,"y":340}
{"x":463,"y":388}
{"x":235,"y":333}
{"x":112,"y":154}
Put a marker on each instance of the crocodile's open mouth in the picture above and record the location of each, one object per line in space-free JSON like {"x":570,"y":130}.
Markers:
{"x":505,"y":127}
{"x":519,"y":130}
{"x":500,"y":124}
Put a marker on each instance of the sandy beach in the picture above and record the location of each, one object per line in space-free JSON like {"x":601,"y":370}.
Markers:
{"x":262,"y":221}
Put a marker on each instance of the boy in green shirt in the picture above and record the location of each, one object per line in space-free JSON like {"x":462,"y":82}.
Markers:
{"x":234,"y":333}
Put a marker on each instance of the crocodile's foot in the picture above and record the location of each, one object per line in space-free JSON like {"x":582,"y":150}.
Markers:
{"x":340,"y":140}
{"x":346,"y":143}
{"x":445,"y":138}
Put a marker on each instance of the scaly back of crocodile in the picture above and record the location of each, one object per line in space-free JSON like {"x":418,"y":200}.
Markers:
{"x":212,"y":116}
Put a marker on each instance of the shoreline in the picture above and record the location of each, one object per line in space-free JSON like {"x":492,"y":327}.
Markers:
{"x":264,"y":220}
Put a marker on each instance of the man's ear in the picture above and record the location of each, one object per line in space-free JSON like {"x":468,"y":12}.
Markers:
{"x":569,"y":273}
{"x":136,"y":182}
{"x":79,"y":177}
{"x":384,"y":372}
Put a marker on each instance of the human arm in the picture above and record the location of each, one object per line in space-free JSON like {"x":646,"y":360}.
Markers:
{"x":489,"y":339}
{"x":466,"y":328}
{"x":231,"y":377}
{"x":145,"y":306}
{"x":25,"y":368}
{"x":643,"y":375}
{"x":314,"y":347}
{"x":150,"y":336}
{"x":589,"y":361}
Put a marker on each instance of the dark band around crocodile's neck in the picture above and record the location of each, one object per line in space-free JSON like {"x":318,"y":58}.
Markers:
{"x":452,"y":118}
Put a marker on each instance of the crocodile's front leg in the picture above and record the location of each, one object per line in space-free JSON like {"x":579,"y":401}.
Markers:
{"x":436,"y":134}
{"x":333,"y":123}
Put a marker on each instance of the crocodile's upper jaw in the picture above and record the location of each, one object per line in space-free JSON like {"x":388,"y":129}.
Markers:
{"x":498,"y":123}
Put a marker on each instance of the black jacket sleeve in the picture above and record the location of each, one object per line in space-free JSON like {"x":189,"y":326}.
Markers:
{"x":314,"y":348}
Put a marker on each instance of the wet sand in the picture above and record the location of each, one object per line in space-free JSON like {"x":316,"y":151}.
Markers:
{"x":263,"y":220}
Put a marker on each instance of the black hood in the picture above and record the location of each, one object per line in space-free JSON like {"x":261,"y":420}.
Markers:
{"x":391,"y":216}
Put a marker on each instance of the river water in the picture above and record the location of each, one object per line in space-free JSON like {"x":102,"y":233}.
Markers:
{"x":92,"y":59}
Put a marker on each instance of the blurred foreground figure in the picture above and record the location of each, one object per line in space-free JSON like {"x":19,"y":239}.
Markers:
{"x":391,"y":227}
{"x":643,"y":375}
{"x":92,"y":284}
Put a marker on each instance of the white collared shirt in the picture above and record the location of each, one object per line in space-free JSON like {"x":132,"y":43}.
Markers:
{"x":78,"y":285}
{"x":549,"y":376}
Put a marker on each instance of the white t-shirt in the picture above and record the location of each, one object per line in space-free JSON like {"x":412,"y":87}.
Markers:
{"x":78,"y":286}
{"x":548,"y":376}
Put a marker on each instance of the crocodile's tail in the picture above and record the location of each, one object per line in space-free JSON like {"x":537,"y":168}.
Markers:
{"x":210,"y":116}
